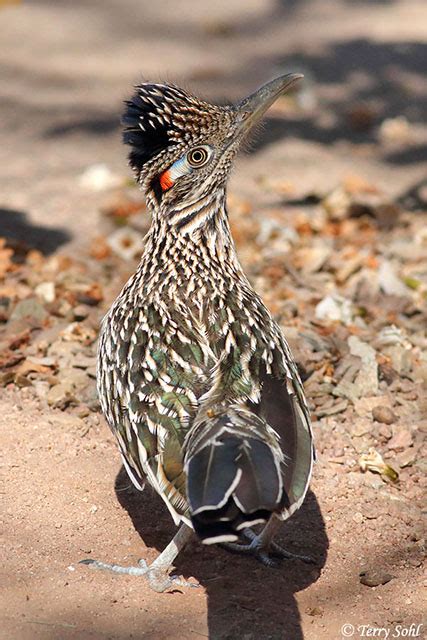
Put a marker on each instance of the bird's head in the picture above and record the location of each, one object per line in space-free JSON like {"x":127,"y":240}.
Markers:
{"x":182,"y":148}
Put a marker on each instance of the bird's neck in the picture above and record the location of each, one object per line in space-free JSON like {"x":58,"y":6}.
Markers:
{"x":192,"y":240}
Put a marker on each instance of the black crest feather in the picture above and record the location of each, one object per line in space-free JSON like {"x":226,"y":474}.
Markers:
{"x":160,"y":116}
{"x":147,"y":120}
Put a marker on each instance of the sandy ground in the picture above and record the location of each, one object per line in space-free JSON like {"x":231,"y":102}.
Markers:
{"x":65,"y":69}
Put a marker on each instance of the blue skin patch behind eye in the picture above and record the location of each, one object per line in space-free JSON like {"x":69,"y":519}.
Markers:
{"x":179,"y":168}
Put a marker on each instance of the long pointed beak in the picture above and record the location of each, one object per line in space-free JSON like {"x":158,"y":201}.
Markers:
{"x":251,"y":109}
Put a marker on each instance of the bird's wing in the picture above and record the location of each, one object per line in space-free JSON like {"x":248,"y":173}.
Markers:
{"x":282,"y":405}
{"x":150,"y":400}
{"x":255,"y":364}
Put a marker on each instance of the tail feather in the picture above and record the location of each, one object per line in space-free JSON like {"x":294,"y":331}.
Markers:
{"x":213,"y":476}
{"x":233,"y":475}
{"x":261,"y":485}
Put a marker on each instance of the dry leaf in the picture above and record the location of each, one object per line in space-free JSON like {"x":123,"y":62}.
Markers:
{"x":373,"y":461}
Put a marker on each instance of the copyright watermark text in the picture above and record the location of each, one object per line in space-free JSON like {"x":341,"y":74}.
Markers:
{"x":369,"y":631}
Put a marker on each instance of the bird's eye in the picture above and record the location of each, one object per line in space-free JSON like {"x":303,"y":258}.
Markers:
{"x":198,"y":156}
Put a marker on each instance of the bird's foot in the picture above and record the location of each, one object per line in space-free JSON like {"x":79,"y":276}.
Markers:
{"x":157,"y":575}
{"x":251,"y":549}
{"x":278,"y":551}
{"x":263,"y":551}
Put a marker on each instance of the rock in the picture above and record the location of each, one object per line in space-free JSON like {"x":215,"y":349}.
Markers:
{"x":374,"y":577}
{"x":387,"y":373}
{"x":46,"y":291}
{"x":73,"y":377}
{"x":383,"y":414}
{"x":391,"y":336}
{"x":83,"y":411}
{"x":48,"y":336}
{"x":396,"y":131}
{"x":347,"y":389}
{"x":400,"y":358}
{"x":81,"y":311}
{"x":335,"y":308}
{"x":41,"y":388}
{"x":385,"y":432}
{"x":367,"y":379}
{"x":89,"y":396}
{"x":421,"y":374}
{"x":393,"y":343}
{"x":29,"y":308}
{"x":364,"y":406}
{"x":402,"y":439}
{"x":60,"y":396}
{"x":375,"y":482}
{"x":83,"y":361}
{"x":30,"y":365}
{"x":337,"y":203}
{"x":311,"y":259}
{"x":361,"y":427}
{"x":99,"y":177}
{"x":349,"y":267}
{"x":78,"y":332}
{"x":338,"y":407}
{"x":63,"y":308}
{"x":371,"y":510}
{"x":91,"y":294}
{"x":406,"y":458}
{"x":62,"y":351}
{"x":126,"y":243}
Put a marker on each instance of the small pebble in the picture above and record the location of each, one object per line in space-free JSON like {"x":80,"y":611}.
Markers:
{"x":83,"y":411}
{"x":384,"y":415}
{"x":373,"y":578}
{"x":385,"y":432}
{"x":358,"y":517}
{"x":80,"y":312}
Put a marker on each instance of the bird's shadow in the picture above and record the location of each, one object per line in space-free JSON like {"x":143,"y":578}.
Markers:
{"x":244,"y":598}
{"x":23,"y":234}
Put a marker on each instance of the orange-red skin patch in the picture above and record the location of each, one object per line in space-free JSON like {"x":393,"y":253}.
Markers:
{"x":166,"y":181}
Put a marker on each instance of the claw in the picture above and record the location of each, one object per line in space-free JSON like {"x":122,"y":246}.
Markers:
{"x":276,"y":550}
{"x":158,"y":578}
{"x":263,"y":549}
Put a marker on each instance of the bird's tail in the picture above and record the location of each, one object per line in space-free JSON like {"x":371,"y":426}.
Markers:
{"x":234,"y":480}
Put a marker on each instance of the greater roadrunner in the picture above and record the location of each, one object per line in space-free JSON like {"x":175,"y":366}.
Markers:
{"x":195,"y":378}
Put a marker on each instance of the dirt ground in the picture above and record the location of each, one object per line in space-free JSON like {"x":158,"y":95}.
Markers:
{"x":330,"y":219}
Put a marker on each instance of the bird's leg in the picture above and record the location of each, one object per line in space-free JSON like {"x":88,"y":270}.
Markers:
{"x":157,"y":572}
{"x":262,"y":545}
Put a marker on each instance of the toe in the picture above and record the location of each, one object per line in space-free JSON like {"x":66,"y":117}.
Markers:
{"x":280,"y":552}
{"x":264,"y":558}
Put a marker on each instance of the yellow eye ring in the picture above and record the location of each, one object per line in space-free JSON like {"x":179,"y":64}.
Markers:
{"x":197,"y":157}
